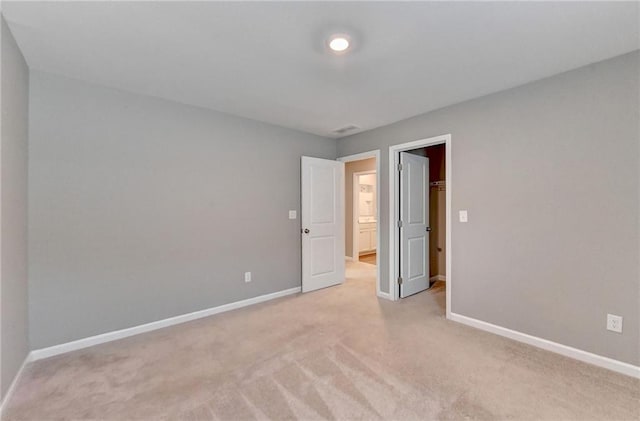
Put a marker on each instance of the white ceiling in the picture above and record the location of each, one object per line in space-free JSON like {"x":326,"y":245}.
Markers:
{"x":267,"y":61}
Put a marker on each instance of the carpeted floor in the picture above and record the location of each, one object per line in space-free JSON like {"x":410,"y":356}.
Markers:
{"x":338,"y":353}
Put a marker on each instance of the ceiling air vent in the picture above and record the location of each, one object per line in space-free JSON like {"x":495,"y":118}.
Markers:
{"x":346,"y":129}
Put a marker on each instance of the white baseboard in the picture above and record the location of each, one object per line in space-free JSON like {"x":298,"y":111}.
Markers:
{"x":567,"y":351}
{"x":438,"y":278}
{"x":39,"y":354}
{"x":384,"y":295}
{"x":14,"y":382}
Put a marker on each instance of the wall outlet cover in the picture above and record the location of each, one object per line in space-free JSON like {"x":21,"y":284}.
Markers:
{"x":614,"y":323}
{"x":293,"y":214}
{"x":464,"y":217}
{"x":247,"y":276}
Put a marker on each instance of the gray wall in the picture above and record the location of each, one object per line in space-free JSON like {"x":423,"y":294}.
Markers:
{"x":13,"y":241}
{"x":549,"y":174}
{"x":350,"y":168}
{"x":142,"y":209}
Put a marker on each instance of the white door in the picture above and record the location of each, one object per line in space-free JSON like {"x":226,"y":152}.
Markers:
{"x":322,"y":223}
{"x":414,"y":230}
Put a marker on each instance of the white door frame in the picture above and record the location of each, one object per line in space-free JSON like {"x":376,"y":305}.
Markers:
{"x":355,"y":224}
{"x":358,"y":157}
{"x":394,"y":238}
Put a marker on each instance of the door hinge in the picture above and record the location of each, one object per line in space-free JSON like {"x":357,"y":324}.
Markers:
{"x":400,"y":167}
{"x":399,"y":280}
{"x":399,"y":224}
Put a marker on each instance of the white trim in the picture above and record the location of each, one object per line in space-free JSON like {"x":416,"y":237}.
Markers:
{"x":348,"y":258}
{"x":448,"y":153}
{"x":438,"y":278}
{"x":360,"y":156}
{"x":14,"y":383}
{"x":394,"y":181}
{"x":357,"y":157}
{"x":355,"y":210}
{"x":384,"y":295}
{"x":567,"y":351}
{"x":39,"y":354}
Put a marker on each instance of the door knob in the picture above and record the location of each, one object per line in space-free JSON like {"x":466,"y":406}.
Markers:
{"x":306,"y":230}
{"x":428,"y":229}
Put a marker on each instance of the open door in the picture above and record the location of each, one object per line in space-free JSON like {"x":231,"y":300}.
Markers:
{"x":414,"y":225}
{"x":322,"y":217}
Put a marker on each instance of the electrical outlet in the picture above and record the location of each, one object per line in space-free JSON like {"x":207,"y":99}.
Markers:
{"x":247,"y":276}
{"x":614,"y":323}
{"x":464,"y":217}
{"x":293,"y":214}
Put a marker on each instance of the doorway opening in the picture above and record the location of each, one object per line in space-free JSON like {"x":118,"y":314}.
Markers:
{"x":363,"y":212}
{"x":362,"y":222}
{"x":420,"y":223}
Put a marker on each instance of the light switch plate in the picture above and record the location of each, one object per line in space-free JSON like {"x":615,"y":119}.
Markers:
{"x":463,"y":216}
{"x":247,"y":276}
{"x":293,"y":214}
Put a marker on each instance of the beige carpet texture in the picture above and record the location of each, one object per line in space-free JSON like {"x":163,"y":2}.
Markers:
{"x":337,"y":354}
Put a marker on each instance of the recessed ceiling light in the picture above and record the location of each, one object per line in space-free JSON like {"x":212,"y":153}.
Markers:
{"x":338,"y":43}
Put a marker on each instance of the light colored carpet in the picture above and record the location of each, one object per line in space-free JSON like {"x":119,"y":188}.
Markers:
{"x":338,"y":353}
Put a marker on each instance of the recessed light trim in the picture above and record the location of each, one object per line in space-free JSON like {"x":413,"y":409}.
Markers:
{"x":339,"y":43}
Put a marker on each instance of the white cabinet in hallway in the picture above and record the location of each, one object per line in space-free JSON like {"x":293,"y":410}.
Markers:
{"x":367,"y":237}
{"x":365,"y":200}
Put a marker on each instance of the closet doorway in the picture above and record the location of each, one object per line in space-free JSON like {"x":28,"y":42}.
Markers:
{"x":424,"y":165}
